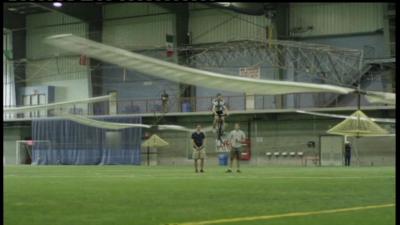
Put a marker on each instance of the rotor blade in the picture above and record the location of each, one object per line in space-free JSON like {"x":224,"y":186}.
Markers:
{"x":173,"y":127}
{"x":208,"y":129}
{"x":204,"y":129}
{"x":182,"y":74}
{"x":55,"y":105}
{"x":181,"y":128}
{"x":102,"y":124}
{"x":381,"y":97}
{"x":382,"y":135}
{"x":382,"y":120}
{"x":365,"y":135}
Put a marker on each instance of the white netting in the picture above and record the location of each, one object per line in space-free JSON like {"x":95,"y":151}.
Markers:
{"x":23,"y":150}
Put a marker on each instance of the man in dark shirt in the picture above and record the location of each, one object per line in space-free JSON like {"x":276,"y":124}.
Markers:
{"x":347,"y":153}
{"x":199,"y":151}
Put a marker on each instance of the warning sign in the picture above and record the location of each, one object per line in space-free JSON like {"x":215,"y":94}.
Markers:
{"x":250,"y":72}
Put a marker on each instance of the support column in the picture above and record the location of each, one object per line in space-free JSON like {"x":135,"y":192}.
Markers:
{"x":182,"y":39}
{"x":17,"y":25}
{"x":279,"y":29}
{"x":96,"y":70}
{"x":96,"y":80}
{"x":250,"y":101}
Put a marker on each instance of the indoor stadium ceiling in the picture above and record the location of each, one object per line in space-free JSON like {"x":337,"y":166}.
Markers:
{"x":24,"y":8}
{"x":16,"y":12}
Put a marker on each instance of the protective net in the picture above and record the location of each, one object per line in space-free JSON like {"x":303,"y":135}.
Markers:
{"x":23,"y":151}
{"x":358,"y":124}
{"x":76,"y":143}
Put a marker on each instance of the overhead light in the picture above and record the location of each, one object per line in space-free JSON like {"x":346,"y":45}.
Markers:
{"x":57,"y":4}
{"x":225,"y":4}
{"x":12,"y":9}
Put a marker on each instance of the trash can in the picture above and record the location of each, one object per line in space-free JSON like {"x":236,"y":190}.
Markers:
{"x":186,"y":107}
{"x":223,"y":159}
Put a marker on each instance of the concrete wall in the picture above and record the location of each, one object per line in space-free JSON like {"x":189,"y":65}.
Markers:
{"x":142,"y":28}
{"x":139,"y":25}
{"x":132,"y":85}
{"x":51,"y":66}
{"x":284,"y":132}
{"x":335,"y":18}
{"x":272,"y":132}
{"x":208,"y":25}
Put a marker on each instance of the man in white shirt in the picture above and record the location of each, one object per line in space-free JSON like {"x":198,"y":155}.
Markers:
{"x":236,"y":139}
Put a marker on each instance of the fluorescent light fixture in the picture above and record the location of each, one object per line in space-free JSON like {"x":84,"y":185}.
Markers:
{"x":57,"y":4}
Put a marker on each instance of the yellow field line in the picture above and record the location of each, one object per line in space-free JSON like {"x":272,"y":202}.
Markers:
{"x":241,"y":219}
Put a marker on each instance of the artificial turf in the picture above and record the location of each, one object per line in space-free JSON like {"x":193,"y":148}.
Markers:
{"x":123,"y":195}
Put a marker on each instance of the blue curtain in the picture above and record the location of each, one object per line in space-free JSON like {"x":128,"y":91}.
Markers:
{"x":64,"y":142}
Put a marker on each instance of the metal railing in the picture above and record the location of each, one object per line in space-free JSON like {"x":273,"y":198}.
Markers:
{"x":178,"y":104}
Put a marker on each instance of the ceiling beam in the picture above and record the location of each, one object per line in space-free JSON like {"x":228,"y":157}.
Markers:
{"x":249,"y":8}
{"x":83,"y":11}
{"x":174,"y":7}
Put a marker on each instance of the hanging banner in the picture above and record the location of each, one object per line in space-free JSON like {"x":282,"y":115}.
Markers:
{"x":253,"y":72}
{"x":250,"y":72}
{"x":170,"y":45}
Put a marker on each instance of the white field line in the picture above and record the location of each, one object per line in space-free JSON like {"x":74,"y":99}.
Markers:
{"x":292,"y":214}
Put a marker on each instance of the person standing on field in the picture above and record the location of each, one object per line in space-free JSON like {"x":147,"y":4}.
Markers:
{"x":236,"y":139}
{"x":347,"y":153}
{"x":199,"y":152}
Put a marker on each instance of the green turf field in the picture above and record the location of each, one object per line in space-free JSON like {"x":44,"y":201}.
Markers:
{"x":123,"y":195}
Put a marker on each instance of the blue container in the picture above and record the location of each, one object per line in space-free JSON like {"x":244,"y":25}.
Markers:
{"x":186,"y":107}
{"x":223,"y":159}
